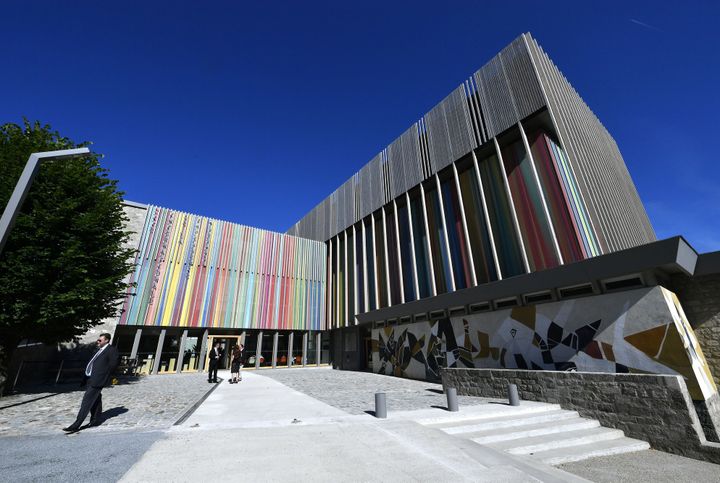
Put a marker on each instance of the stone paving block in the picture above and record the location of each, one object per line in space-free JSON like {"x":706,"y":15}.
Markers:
{"x":148,"y":402}
{"x":354,"y":392}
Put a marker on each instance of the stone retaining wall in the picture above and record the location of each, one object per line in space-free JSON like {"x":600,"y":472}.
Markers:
{"x":654,"y":408}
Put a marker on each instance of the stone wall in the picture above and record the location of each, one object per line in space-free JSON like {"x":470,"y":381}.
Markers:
{"x":654,"y":408}
{"x":709,"y":415}
{"x":700,"y":297}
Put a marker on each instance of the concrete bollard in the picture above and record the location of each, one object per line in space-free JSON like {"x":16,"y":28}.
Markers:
{"x":452,"y":399}
{"x":380,"y":405}
{"x":513,"y":395}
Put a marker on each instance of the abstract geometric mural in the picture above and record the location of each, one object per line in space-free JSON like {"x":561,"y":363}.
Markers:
{"x":639,"y":331}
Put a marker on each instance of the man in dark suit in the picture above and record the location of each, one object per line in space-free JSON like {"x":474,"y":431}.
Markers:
{"x":214,"y":356}
{"x":97,"y":374}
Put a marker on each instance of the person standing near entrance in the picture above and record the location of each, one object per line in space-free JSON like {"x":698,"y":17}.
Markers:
{"x":237,"y":363}
{"x":97,"y":374}
{"x":214,"y":361}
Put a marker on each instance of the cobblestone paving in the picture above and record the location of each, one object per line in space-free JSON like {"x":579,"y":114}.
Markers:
{"x":354,"y":392}
{"x":151,"y":402}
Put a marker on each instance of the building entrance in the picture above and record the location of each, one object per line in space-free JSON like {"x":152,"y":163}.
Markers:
{"x":226,"y":345}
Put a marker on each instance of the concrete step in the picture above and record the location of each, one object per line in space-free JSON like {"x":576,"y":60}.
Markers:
{"x":558,"y":456}
{"x":561,"y":439}
{"x":531,"y":430}
{"x":508,"y":421}
{"x":543,"y":433}
{"x":482,"y":413}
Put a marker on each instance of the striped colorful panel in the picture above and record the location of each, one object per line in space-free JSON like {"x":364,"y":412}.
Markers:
{"x":573,"y":198}
{"x":567,"y":231}
{"x":527,"y":199}
{"x":193,"y":271}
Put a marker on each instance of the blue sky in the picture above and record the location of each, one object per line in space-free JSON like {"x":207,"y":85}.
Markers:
{"x":255,"y":111}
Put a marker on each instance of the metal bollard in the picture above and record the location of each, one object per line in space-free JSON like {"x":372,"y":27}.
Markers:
{"x":380,"y":406}
{"x":513,"y":395}
{"x":452,"y":399}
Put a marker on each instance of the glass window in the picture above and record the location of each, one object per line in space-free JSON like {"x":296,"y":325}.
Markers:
{"x":380,"y":252}
{"x":456,"y":233}
{"x":332,"y":299}
{"x":392,"y":242}
{"x":282,"y":350}
{"x":441,"y":263}
{"x":359,"y":274}
{"x":341,"y":280}
{"x":325,"y":348}
{"x":170,"y":351}
{"x":351,"y":277}
{"x":422,"y":257}
{"x":406,"y":252}
{"x":534,"y":224}
{"x":297,"y":349}
{"x":477,"y":228}
{"x":146,"y":351}
{"x":250,"y":351}
{"x":559,"y":199}
{"x":191,"y":354}
{"x":312,"y":348}
{"x":370,"y":265}
{"x":504,"y":236}
{"x":266,"y":349}
{"x":123,"y":340}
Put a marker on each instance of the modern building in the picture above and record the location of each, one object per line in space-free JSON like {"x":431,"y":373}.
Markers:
{"x":501,"y":230}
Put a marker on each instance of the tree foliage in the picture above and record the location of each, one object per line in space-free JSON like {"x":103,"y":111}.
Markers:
{"x":62,"y":269}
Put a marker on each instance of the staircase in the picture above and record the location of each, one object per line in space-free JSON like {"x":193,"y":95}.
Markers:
{"x":544,"y":432}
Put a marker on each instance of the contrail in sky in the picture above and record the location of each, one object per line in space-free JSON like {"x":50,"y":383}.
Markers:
{"x":643,"y":24}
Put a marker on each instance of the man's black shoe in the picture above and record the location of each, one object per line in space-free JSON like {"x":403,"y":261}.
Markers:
{"x":72,"y":428}
{"x":94,"y":423}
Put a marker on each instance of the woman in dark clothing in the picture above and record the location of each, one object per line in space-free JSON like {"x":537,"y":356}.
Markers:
{"x":237,"y":363}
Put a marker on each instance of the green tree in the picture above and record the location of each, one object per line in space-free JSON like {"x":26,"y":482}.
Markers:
{"x":62,"y":269}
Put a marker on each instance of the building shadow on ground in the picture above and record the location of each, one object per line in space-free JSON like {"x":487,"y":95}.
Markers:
{"x":43,"y":389}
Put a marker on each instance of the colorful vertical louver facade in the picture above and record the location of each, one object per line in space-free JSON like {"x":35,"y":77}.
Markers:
{"x":193,"y":271}
{"x":490,"y":216}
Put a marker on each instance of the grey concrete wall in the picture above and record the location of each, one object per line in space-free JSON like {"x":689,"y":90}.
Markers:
{"x":136,"y":221}
{"x":650,"y":407}
{"x":700,"y":298}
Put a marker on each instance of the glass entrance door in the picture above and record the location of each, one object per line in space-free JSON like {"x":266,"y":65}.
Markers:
{"x":226,"y":345}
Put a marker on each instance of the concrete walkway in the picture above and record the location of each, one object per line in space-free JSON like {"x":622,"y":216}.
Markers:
{"x":257,"y":402}
{"x":261,"y":429}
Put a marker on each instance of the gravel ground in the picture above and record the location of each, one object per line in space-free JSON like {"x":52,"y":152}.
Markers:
{"x":354,"y":392}
{"x":151,"y":402}
{"x":644,"y":466}
{"x":81,"y":457}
